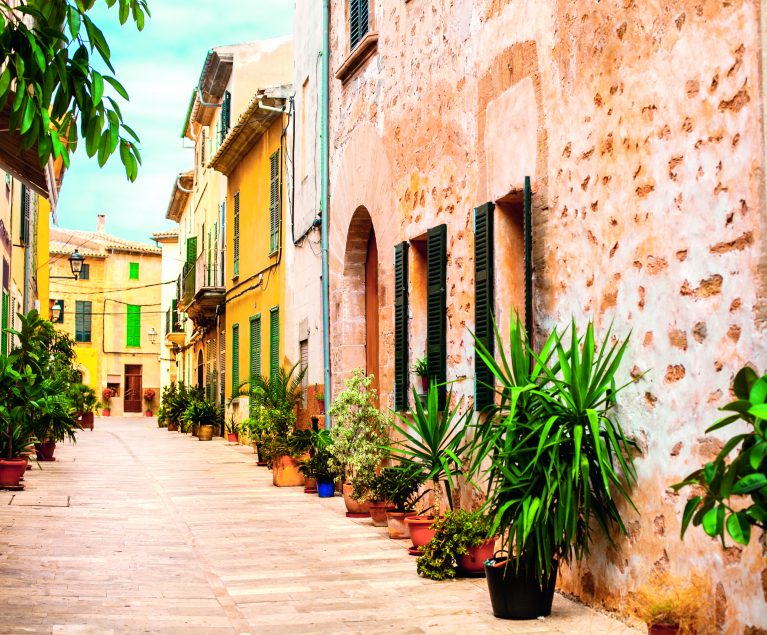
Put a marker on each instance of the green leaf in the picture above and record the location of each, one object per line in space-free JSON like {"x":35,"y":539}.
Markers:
{"x":759,"y":411}
{"x":117,"y":86}
{"x":97,"y":88}
{"x":756,"y":454}
{"x":750,"y":483}
{"x":743,"y":381}
{"x":5,"y":81}
{"x":758,"y":393}
{"x":73,"y":20}
{"x":739,"y":527}
{"x":28,"y":116}
{"x":709,"y":521}
{"x":689,"y":510}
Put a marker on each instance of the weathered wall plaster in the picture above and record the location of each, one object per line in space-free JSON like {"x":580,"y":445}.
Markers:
{"x":641,"y":124}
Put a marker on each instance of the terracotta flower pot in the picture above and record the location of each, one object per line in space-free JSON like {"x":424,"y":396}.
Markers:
{"x":310,"y":485}
{"x":662,"y":629}
{"x":195,"y":429}
{"x":425,"y":384}
{"x":45,"y":451}
{"x":420,"y":529}
{"x":105,"y":412}
{"x":231,"y":437}
{"x":354,"y":509}
{"x":285,"y":472}
{"x":172,"y":427}
{"x":87,"y":421}
{"x":148,"y":413}
{"x":205,"y":433}
{"x":321,"y":406}
{"x":378,"y":512}
{"x":395,"y":521}
{"x":11,"y":471}
{"x":473,"y":563}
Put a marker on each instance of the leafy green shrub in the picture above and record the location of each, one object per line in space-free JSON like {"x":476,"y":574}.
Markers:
{"x":398,"y":485}
{"x":318,"y":466}
{"x":454,"y":533}
{"x":744,"y":476}
{"x":200,"y":413}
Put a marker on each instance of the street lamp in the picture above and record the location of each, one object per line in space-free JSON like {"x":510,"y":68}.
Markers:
{"x":76,"y":261}
{"x":152,"y":335}
{"x":56,"y":311}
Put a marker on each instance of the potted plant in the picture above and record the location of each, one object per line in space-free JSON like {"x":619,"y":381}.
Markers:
{"x":742,"y":477}
{"x":201,"y":413}
{"x":400,"y":487}
{"x":319,"y":468}
{"x":84,"y":401}
{"x":149,"y":395}
{"x":555,"y":459}
{"x":359,"y":437}
{"x":670,"y":605}
{"x":106,"y":397}
{"x":175,"y":403}
{"x":319,"y":393}
{"x":232,"y":430}
{"x":421,"y":369}
{"x":462,"y":541}
{"x":16,"y":437}
{"x":255,"y":428}
{"x":434,"y":442}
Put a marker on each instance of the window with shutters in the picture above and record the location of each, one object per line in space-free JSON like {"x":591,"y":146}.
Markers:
{"x":236,"y":237}
{"x":401,"y":340}
{"x":133,"y":271}
{"x":509,"y":266}
{"x":274,"y":342}
{"x":303,"y":352}
{"x":436,"y":308}
{"x":359,"y":21}
{"x":191,"y":250}
{"x":203,"y":144}
{"x":235,"y":358}
{"x":484,"y":298}
{"x":85,"y":272}
{"x":83,"y":310}
{"x":226,"y":117}
{"x":255,"y":346}
{"x":26,"y":213}
{"x":133,"y":330}
{"x":275,"y":188}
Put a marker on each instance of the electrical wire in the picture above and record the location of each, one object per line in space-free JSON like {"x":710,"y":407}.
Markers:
{"x":69,"y":287}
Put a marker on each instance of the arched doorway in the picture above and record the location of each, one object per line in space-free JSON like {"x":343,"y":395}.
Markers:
{"x":361,"y":305}
{"x":200,"y":369}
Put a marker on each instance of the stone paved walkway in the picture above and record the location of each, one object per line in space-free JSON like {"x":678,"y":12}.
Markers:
{"x":138,"y":530}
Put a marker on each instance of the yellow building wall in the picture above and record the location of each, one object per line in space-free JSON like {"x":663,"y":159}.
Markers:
{"x":107,"y":352}
{"x":257,"y":268}
{"x":43,"y":254}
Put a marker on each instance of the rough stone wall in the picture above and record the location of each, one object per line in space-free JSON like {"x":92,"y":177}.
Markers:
{"x":641,"y":127}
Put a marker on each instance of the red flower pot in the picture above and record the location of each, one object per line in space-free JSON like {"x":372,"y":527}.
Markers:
{"x":420,"y":529}
{"x":231,"y":437}
{"x":148,"y":413}
{"x":105,"y":412}
{"x":378,"y":512}
{"x":425,"y":385}
{"x":11,"y":471}
{"x":45,"y":450}
{"x":473,"y":563}
{"x":87,"y":421}
{"x":172,"y":427}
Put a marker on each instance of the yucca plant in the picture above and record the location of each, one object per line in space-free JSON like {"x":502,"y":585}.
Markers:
{"x":434,"y":441}
{"x":559,"y":461}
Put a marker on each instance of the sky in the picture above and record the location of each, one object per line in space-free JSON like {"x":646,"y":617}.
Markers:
{"x":159,"y":67}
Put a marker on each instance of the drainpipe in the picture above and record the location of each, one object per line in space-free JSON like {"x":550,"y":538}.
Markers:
{"x":325,"y":105}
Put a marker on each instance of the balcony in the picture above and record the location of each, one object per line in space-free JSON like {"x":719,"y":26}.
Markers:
{"x":201,"y":290}
{"x":174,"y":330}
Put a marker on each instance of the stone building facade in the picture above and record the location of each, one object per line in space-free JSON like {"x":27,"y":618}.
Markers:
{"x":640,"y":126}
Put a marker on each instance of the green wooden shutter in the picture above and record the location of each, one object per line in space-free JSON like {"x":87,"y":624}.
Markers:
{"x":401,"y":370}
{"x":25,"y":214}
{"x":191,"y":250}
{"x":133,"y":271}
{"x":235,"y":358}
{"x":274,"y":342}
{"x":358,"y":21}
{"x":436,"y":309}
{"x":236,"y":250}
{"x":133,"y":337}
{"x":255,"y":346}
{"x":483,"y":302}
{"x":274,"y":202}
{"x":226,"y":116}
{"x":83,"y":310}
{"x":4,"y":335}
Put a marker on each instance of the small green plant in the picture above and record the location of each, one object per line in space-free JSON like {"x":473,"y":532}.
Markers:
{"x":359,"y":434}
{"x":454,"y":533}
{"x":200,"y":413}
{"x":398,"y":485}
{"x":421,"y":367}
{"x":318,"y":466}
{"x":744,"y":476}
{"x":232,"y":425}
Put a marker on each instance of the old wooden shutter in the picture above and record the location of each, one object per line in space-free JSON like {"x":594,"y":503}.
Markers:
{"x":134,"y":326}
{"x":25,"y":214}
{"x":226,"y":116}
{"x":191,"y":250}
{"x":235,"y":358}
{"x":358,"y":21}
{"x":401,"y":370}
{"x":436,"y":308}
{"x":83,"y":310}
{"x":133,"y":271}
{"x":236,"y":249}
{"x":255,"y":346}
{"x":274,"y":202}
{"x":483,"y":301}
{"x":274,"y":342}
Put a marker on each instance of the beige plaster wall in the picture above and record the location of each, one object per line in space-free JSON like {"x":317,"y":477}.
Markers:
{"x":641,"y":127}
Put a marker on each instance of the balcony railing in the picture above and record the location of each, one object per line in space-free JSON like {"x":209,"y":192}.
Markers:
{"x":187,"y":284}
{"x":172,"y":322}
{"x":208,"y":274}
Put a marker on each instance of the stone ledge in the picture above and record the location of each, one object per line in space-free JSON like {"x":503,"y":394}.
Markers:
{"x":361,"y":53}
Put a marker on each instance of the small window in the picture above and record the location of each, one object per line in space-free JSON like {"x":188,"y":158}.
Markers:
{"x":133,"y":271}
{"x":133,"y":337}
{"x":275,"y":191}
{"x":85,"y":272}
{"x":236,"y":236}
{"x":83,"y":309}
{"x":358,"y":21}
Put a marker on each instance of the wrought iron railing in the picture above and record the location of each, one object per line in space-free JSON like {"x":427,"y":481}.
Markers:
{"x":173,"y":322}
{"x":209,"y":273}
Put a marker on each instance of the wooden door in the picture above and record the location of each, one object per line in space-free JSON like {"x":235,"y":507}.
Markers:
{"x":133,"y":391}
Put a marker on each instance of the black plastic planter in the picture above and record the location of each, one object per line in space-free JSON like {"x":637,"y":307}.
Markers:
{"x":517,"y":595}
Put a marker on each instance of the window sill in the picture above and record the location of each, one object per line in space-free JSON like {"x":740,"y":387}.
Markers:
{"x":357,"y":58}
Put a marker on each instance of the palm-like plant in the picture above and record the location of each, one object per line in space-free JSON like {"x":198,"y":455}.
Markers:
{"x":559,"y":460}
{"x":434,"y":441}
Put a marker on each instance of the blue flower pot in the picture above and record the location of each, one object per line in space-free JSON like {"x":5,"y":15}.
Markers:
{"x":325,"y":489}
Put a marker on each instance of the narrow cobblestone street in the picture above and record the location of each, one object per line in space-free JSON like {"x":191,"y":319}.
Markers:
{"x":138,"y":530}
